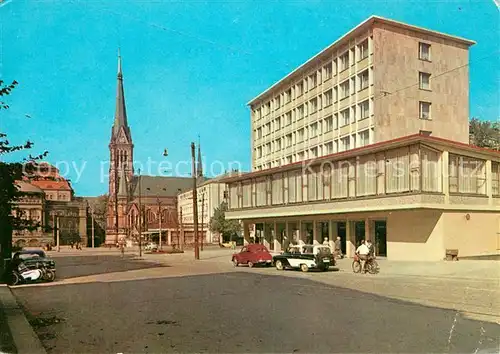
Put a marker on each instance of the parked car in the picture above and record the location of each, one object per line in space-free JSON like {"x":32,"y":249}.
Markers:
{"x":305,"y":257}
{"x":151,"y":247}
{"x":35,"y":259}
{"x":251,"y":255}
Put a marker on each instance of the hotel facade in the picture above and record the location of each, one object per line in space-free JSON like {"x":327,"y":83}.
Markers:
{"x":369,"y":139}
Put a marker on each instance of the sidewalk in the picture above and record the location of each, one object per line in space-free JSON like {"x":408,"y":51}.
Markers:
{"x":16,"y":330}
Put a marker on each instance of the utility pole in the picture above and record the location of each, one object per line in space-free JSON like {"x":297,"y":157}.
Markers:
{"x":92,"y":213}
{"x":159,"y":219}
{"x":182,"y":232}
{"x":195,"y":204}
{"x":116,"y":193}
{"x":140,"y":215}
{"x":57,"y":234}
{"x":202,"y":220}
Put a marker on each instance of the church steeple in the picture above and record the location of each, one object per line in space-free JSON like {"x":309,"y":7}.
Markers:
{"x":120,"y":110}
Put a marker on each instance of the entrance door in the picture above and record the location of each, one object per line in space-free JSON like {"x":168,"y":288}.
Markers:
{"x":381,"y":238}
{"x":341,"y":232}
{"x":359,"y":232}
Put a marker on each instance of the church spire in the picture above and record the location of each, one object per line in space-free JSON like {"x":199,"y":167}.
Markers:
{"x":120,"y":111}
{"x":199,"y":169}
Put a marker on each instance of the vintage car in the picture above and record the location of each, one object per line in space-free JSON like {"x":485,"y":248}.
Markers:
{"x":35,"y":258}
{"x":251,"y":255}
{"x":305,"y":257}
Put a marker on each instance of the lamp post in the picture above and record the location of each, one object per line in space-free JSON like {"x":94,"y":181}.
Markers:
{"x":140,"y":214}
{"x":202,"y":220}
{"x":55,"y":224}
{"x":92,"y":216}
{"x":195,"y":204}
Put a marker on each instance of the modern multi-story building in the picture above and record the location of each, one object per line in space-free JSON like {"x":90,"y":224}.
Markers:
{"x":382,"y":80}
{"x":377,"y":125}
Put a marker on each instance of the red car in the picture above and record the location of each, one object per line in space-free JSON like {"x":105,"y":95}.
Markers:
{"x":253,"y":254}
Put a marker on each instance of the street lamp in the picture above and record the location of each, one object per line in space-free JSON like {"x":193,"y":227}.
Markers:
{"x":195,"y":203}
{"x":140,"y":214}
{"x":92,"y":215}
{"x":55,"y":224}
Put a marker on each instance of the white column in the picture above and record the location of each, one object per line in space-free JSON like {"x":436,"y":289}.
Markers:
{"x":445,"y":177}
{"x":169,"y":235}
{"x":277,"y":245}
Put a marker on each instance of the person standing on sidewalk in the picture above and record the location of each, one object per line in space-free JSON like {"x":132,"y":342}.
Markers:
{"x":338,"y":248}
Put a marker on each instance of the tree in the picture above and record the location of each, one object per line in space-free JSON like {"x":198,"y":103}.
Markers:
{"x":9,"y":191}
{"x":220,"y":225}
{"x":484,"y":133}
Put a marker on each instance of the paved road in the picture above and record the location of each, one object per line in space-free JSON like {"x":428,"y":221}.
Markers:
{"x":236,"y":310}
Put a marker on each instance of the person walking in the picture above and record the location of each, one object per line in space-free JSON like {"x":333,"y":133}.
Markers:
{"x":338,"y":248}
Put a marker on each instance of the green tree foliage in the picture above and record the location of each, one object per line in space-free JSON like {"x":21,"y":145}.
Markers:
{"x":9,"y":191}
{"x":484,"y":133}
{"x":220,"y":225}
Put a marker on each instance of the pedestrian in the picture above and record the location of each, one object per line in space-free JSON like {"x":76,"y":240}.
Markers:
{"x":338,"y":248}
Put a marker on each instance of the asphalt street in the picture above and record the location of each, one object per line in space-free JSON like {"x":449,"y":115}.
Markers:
{"x":237,"y":311}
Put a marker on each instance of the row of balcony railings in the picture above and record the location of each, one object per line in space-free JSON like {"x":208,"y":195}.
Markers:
{"x":410,"y":169}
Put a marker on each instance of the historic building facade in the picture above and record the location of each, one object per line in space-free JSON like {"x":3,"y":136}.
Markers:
{"x":152,"y":197}
{"x":369,"y":140}
{"x":48,"y":198}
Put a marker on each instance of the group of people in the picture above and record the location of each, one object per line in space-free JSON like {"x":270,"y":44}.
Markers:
{"x":76,"y":245}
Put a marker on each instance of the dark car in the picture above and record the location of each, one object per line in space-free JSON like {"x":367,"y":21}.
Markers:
{"x":305,"y":257}
{"x":34,"y":259}
{"x":252,"y":254}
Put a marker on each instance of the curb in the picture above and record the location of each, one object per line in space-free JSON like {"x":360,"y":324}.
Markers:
{"x":25,"y":339}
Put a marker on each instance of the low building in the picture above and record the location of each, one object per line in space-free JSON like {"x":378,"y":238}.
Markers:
{"x":416,"y":197}
{"x":210,"y":195}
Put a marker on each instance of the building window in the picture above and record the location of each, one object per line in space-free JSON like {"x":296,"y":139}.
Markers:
{"x":344,"y":89}
{"x":313,"y":105}
{"x":363,"y":80}
{"x":277,"y":124}
{"x":300,"y":136}
{"x":289,"y":140}
{"x":268,"y":128}
{"x":328,"y":98}
{"x":328,"y":124}
{"x":313,"y":130}
{"x":300,"y":111}
{"x":495,"y":178}
{"x":425,"y":81}
{"x":424,"y":51}
{"x":288,"y":117}
{"x":288,"y":95}
{"x":344,"y":61}
{"x":277,"y":144}
{"x":300,"y":88}
{"x":314,"y":152}
{"x":313,"y":81}
{"x":364,"y":138}
{"x":336,"y":121}
{"x":277,"y":102}
{"x":425,"y":110}
{"x":268,"y":148}
{"x":363,"y":50}
{"x":364,"y":109}
{"x":268,"y":107}
{"x":345,"y":143}
{"x":329,"y":148}
{"x":327,"y":69}
{"x":345,"y":116}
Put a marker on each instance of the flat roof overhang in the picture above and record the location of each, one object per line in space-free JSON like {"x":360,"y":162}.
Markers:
{"x":382,"y":203}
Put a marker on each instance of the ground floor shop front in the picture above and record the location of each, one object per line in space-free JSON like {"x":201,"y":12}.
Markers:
{"x":417,"y":234}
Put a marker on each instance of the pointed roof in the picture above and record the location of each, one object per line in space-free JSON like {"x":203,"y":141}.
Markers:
{"x":120,"y":111}
{"x":122,"y":186}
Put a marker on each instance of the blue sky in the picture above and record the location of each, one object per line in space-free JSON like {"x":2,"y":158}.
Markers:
{"x":189,"y":68}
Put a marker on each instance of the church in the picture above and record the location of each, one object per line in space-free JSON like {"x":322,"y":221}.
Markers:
{"x":130,"y":195}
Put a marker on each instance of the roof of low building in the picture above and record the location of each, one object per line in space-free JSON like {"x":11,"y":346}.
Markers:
{"x":161,"y":186}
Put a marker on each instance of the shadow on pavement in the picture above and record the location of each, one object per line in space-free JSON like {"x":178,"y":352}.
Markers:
{"x":243,"y":312}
